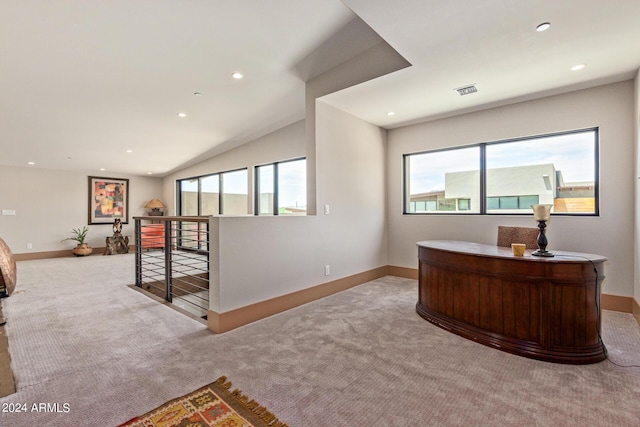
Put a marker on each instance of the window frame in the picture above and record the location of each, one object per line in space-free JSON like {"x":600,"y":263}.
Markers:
{"x":220,"y":190}
{"x":405,"y":182}
{"x":276,"y":190}
{"x":483,"y":175}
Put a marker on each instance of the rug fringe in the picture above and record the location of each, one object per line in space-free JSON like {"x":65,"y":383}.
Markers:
{"x":260,"y":411}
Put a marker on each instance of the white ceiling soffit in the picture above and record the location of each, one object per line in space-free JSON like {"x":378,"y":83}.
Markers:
{"x":494,"y":45}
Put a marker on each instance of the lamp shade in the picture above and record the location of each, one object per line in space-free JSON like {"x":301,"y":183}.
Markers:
{"x":155,"y":204}
{"x":541,"y":212}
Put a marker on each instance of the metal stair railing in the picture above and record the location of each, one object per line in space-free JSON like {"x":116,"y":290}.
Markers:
{"x":172,"y":260}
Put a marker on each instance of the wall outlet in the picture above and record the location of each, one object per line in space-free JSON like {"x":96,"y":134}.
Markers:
{"x":326,"y":209}
{"x":29,"y":245}
{"x":8,"y":212}
{"x":327,"y":270}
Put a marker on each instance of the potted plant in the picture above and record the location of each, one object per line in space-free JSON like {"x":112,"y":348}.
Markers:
{"x":79,"y":236}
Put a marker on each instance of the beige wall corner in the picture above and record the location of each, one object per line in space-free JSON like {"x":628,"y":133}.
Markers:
{"x":406,"y":272}
{"x":617,"y":303}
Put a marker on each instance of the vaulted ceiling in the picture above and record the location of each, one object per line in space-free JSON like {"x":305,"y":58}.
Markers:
{"x":90,"y":85}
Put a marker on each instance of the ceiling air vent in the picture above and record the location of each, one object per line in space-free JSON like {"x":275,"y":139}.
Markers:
{"x":466,"y":90}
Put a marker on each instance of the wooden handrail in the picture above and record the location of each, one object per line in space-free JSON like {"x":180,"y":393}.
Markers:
{"x":174,"y":218}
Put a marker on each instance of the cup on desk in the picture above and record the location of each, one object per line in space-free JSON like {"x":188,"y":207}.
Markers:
{"x":518,"y":249}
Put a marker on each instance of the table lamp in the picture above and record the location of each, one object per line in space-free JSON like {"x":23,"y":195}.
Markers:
{"x":542,"y":214}
{"x":155,"y":205}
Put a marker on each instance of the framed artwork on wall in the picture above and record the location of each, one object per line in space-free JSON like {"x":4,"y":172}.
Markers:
{"x":108,"y":200}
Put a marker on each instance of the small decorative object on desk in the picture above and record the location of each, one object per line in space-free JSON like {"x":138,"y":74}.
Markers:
{"x":518,"y":249}
{"x":542,"y":214}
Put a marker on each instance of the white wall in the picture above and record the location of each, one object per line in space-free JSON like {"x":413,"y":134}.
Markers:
{"x":379,"y":60}
{"x":49,"y":203}
{"x":283,"y":144}
{"x":265,"y":257}
{"x":609,"y":107}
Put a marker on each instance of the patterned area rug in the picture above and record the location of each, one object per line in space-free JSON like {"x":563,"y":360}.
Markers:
{"x":211,"y":405}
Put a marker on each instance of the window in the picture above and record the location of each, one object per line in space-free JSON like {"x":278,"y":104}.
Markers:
{"x":210,"y":195}
{"x":265,"y":190}
{"x":464,"y":204}
{"x":281,"y":188}
{"x":215,"y":194}
{"x":559,"y":169}
{"x":512,"y":202}
{"x":556,"y":169}
{"x":188,"y":190}
{"x":438,"y":180}
{"x":234,"y":191}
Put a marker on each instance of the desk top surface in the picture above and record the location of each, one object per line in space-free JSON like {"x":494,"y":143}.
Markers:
{"x":479,"y":249}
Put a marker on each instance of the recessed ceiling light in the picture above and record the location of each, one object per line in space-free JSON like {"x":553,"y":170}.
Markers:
{"x":149,"y":173}
{"x":197,"y":93}
{"x":391,"y":113}
{"x":102,"y":169}
{"x":237,"y":75}
{"x":543,"y":27}
{"x":129,"y":151}
{"x":578,"y":67}
{"x":182,"y":114}
{"x":31,"y":163}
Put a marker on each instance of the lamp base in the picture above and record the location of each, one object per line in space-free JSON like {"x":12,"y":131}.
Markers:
{"x":542,"y":253}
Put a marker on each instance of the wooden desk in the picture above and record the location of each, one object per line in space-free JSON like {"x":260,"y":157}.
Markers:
{"x":541,"y":308}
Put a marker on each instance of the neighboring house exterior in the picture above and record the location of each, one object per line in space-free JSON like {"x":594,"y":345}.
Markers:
{"x":509,"y":190}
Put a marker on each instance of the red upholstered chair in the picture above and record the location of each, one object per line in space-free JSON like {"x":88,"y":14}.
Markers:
{"x":152,"y":236}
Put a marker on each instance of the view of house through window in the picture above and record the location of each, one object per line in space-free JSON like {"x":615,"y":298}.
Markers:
{"x":443,"y":181}
{"x":555,"y":169}
{"x":559,"y":169}
{"x":281,"y":188}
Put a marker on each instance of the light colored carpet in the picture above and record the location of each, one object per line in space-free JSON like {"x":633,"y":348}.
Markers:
{"x":79,"y":335}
